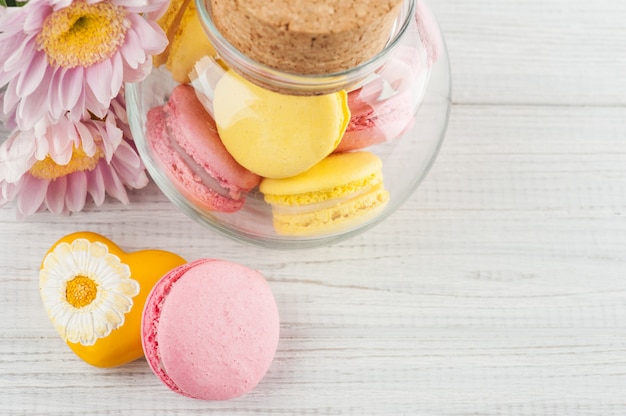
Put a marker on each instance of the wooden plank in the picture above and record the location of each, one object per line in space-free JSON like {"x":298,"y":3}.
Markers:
{"x":526,"y":52}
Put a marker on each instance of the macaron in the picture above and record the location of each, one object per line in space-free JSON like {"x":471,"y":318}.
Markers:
{"x":374,"y":120}
{"x":429,"y":33}
{"x":341,"y":191}
{"x":169,"y":22}
{"x":384,"y":108}
{"x":210,"y":329}
{"x":277,"y":135}
{"x":186,"y":145}
{"x":187,"y":40}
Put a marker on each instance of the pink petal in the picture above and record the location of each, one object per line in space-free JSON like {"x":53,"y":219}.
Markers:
{"x":141,"y":6}
{"x":10,"y":98}
{"x":138,"y":74}
{"x":117,"y":74}
{"x":118,"y":106}
{"x":76,"y":193}
{"x":159,"y":10}
{"x":34,"y":18}
{"x":70,"y":87}
{"x":132,"y":178}
{"x":98,"y":78}
{"x":30,"y":78}
{"x":8,"y":192}
{"x":131,"y":50}
{"x":61,"y":151}
{"x":151,"y":36}
{"x":42,"y":145}
{"x":30,"y":109}
{"x":55,"y":197}
{"x":112,"y":184}
{"x":128,"y":167}
{"x":5,"y":77}
{"x":31,"y":196}
{"x":61,"y":137}
{"x":16,"y":158}
{"x":60,"y":4}
{"x":140,"y":181}
{"x":21,"y":56}
{"x":92,"y":104}
{"x":10,"y":21}
{"x":111,"y":138}
{"x":6,"y":49}
{"x":127,"y":155}
{"x":86,"y":138}
{"x":76,"y":112}
{"x":55,"y":107}
{"x":95,"y":186}
{"x":18,"y":147}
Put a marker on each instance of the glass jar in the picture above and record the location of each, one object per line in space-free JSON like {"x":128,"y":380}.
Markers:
{"x":398,"y":100}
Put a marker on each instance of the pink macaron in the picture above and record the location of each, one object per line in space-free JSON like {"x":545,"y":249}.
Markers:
{"x":210,"y":329}
{"x":384,"y":108}
{"x":185,"y":143}
{"x":373,"y":122}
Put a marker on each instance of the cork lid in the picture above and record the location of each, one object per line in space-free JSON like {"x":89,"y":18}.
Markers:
{"x":307,"y":36}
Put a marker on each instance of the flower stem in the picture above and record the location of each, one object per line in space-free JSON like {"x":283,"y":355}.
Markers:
{"x":12,"y":3}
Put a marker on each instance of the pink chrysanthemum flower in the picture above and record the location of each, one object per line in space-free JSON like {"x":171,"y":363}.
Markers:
{"x":56,"y":166}
{"x":64,"y":56}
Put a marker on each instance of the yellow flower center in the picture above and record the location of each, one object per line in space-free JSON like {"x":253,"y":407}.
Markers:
{"x":81,"y":291}
{"x":48,"y":169}
{"x":83,"y":34}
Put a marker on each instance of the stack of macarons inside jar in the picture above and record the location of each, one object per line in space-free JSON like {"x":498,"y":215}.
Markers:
{"x":220,"y":136}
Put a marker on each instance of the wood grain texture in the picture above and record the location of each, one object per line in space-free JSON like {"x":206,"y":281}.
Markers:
{"x":554,"y":52}
{"x":498,"y":289}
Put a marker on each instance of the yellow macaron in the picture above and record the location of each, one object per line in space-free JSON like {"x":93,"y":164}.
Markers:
{"x":277,"y":135}
{"x":187,"y":40}
{"x":169,"y":22}
{"x":343,"y":190}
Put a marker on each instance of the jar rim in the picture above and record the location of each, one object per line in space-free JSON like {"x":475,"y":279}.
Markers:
{"x":302,"y":84}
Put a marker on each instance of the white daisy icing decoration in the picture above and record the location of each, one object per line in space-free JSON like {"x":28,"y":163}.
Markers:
{"x":86,"y":290}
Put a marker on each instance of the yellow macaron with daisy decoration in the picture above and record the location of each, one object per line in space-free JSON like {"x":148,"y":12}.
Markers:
{"x":94,"y":294}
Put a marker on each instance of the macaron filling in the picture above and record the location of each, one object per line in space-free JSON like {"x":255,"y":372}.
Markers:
{"x":332,"y":216}
{"x":327,"y":197}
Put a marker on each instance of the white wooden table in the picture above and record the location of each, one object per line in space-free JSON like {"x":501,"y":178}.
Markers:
{"x":499,"y":288}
